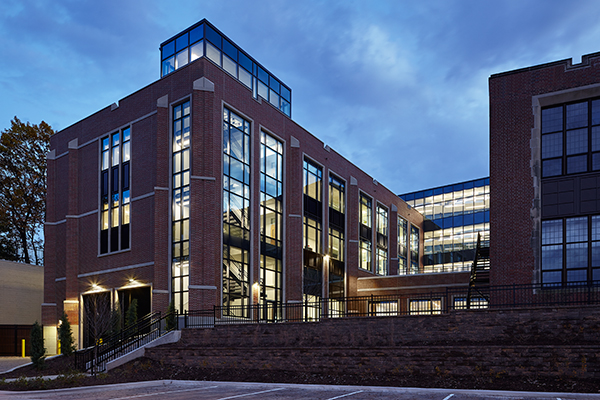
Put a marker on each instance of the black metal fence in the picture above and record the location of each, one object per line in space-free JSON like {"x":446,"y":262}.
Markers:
{"x":111,"y":347}
{"x":429,"y":303}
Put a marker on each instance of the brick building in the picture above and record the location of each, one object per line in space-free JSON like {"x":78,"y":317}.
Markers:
{"x":545,"y":174}
{"x":199,"y":189}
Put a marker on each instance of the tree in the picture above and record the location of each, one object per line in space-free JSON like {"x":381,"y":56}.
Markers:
{"x":171,"y":319}
{"x":38,"y":350}
{"x":97,"y":312}
{"x":131,"y":316}
{"x":65,"y":336}
{"x":23,"y":150}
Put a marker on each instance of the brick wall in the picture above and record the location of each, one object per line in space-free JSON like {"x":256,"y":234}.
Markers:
{"x":539,"y":342}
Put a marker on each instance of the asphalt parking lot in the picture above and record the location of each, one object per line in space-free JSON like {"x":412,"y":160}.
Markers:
{"x":183,"y":390}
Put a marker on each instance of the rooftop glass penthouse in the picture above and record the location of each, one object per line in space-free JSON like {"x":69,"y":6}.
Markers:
{"x":204,"y":40}
{"x":459,"y":212}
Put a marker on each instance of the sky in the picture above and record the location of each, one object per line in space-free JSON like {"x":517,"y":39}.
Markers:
{"x":400,"y":88}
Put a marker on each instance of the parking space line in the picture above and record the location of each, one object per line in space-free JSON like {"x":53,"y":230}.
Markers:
{"x":250,"y":394}
{"x":156,"y":394}
{"x":447,"y":397}
{"x":345,"y":395}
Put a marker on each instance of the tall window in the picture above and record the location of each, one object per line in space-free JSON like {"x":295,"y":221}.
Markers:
{"x":414,"y":249}
{"x":382,"y":241}
{"x":313,"y":214}
{"x":366,"y":232}
{"x":271,"y":222}
{"x":571,"y":138}
{"x":114,"y":192}
{"x":336,"y":237}
{"x":566,"y":255}
{"x":402,"y":246}
{"x":425,"y":306}
{"x":180,"y":220}
{"x":236,"y":214}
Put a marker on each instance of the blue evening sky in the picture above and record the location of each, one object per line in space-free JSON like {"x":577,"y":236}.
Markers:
{"x":400,"y":88}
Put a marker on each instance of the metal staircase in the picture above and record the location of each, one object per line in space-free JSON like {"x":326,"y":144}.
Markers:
{"x":478,"y":295}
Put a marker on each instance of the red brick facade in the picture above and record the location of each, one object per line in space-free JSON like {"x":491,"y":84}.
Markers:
{"x":73,"y":259}
{"x":516,"y":98}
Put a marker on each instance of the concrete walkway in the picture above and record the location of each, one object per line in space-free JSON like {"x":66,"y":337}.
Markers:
{"x":9,"y":363}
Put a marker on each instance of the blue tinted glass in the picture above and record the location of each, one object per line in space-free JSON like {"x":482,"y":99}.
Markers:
{"x":458,"y":221}
{"x":196,"y":34}
{"x":409,"y":197}
{"x":468,"y":219}
{"x":285,"y":93}
{"x":213,"y":36}
{"x":168,"y":49}
{"x":418,"y":195}
{"x":552,"y":119}
{"x":480,"y":183}
{"x":230,"y":49}
{"x":458,"y":186}
{"x":469,"y":185}
{"x":438,"y":191}
{"x":244,"y":61}
{"x":274,"y":84}
{"x":439,"y":222}
{"x":447,"y":222}
{"x":448,"y":189}
{"x":428,"y":193}
{"x":487,"y":216}
{"x":487,"y":181}
{"x":479,"y":218}
{"x":182,"y":42}
{"x":552,"y":167}
{"x":262,"y":75}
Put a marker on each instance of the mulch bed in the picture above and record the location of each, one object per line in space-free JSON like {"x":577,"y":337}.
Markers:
{"x":144,"y":369}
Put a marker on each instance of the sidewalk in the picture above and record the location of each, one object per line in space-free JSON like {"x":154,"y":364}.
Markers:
{"x":9,"y":363}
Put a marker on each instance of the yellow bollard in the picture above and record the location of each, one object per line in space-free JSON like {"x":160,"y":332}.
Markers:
{"x":59,"y":347}
{"x":23,"y":348}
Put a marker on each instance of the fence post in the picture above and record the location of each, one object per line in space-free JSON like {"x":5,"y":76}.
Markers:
{"x":371,"y":306}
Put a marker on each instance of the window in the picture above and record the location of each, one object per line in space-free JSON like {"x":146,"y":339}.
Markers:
{"x":115,"y":192}
{"x":365,"y":235}
{"x":414,"y":249}
{"x":312,"y":238}
{"x":402,"y":245}
{"x":566,"y":255}
{"x":271,"y":222}
{"x":180,"y":219}
{"x":236,"y":214}
{"x":571,"y":138}
{"x":382,"y":240}
{"x":425,"y":306}
{"x":460,"y":303}
{"x":204,"y":41}
{"x":337,"y":223}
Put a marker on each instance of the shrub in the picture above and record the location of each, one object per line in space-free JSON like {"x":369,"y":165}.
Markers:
{"x":38,"y":350}
{"x":65,"y":336}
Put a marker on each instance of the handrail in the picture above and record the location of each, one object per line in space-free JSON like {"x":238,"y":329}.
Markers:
{"x":146,"y":329}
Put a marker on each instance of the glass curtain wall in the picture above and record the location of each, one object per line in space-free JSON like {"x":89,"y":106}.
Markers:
{"x":313,"y":238}
{"x":271,"y":226}
{"x":236,"y":214}
{"x":460,"y":212}
{"x":180,"y":252}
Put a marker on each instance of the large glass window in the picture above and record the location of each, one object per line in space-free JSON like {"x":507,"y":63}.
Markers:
{"x":337,"y":211}
{"x":204,"y":41}
{"x":313,"y":236}
{"x":402,"y":246}
{"x":114,"y":191}
{"x":271,"y":224}
{"x":570,"y":138}
{"x":236,"y":214}
{"x":425,"y":306}
{"x":414,"y":249}
{"x":566,"y":255}
{"x":365,"y":234}
{"x":382,"y":241}
{"x":180,"y":183}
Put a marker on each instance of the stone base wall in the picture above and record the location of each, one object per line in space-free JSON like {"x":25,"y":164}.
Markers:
{"x":561,"y":342}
